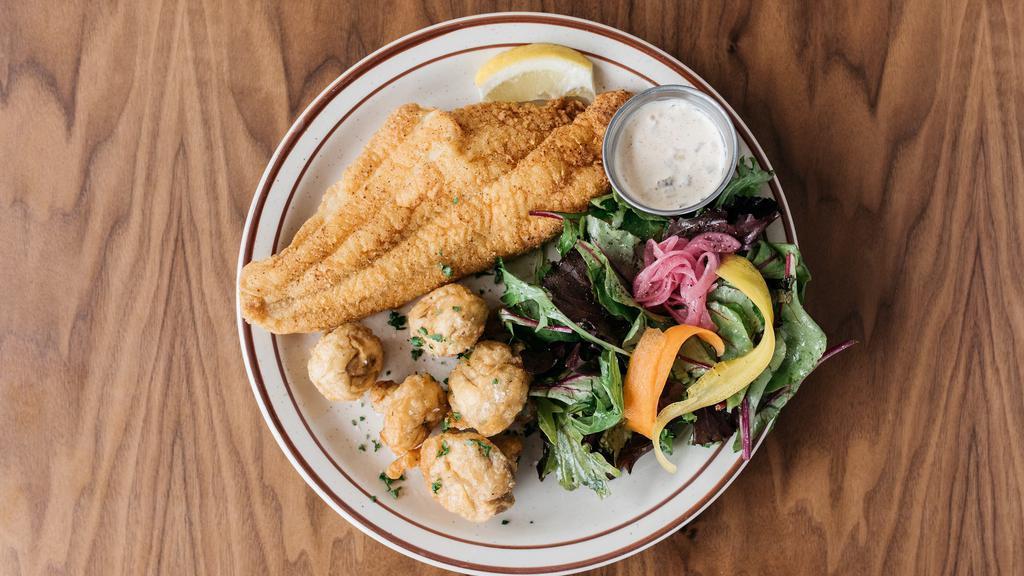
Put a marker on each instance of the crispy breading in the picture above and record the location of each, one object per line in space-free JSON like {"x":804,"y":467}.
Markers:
{"x":446,"y":202}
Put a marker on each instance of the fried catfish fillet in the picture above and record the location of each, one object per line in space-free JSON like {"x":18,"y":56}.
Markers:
{"x":435,"y":196}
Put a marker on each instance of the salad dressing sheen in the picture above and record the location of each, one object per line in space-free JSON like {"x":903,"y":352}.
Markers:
{"x":671,"y":155}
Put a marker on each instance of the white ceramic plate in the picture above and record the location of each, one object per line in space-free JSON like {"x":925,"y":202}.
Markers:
{"x":549,"y":530}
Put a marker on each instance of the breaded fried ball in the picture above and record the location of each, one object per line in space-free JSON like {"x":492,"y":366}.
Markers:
{"x":411,"y":410}
{"x":488,"y":388}
{"x":448,"y":320}
{"x":468,"y":474}
{"x":345,"y":362}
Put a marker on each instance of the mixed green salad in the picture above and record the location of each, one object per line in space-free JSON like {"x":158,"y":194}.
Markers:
{"x":605,"y":330}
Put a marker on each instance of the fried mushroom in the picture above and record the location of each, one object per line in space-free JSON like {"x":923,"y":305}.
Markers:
{"x":487,"y":389}
{"x":448,"y":320}
{"x":345,"y":362}
{"x":411,"y":410}
{"x":468,"y":474}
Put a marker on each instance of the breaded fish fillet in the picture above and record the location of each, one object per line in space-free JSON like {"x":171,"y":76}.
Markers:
{"x":459,"y":205}
{"x":417,"y":163}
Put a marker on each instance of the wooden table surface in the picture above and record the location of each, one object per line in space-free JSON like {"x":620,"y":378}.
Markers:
{"x":132,"y":138}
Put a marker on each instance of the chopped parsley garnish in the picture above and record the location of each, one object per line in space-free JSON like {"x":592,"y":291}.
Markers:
{"x":446,"y":423}
{"x":423,"y":330}
{"x":443,"y":450}
{"x":495,"y":381}
{"x":362,"y":447}
{"x":396,"y":320}
{"x":445,"y":269}
{"x":373,"y":497}
{"x":361,"y":418}
{"x":416,"y":341}
{"x":505,"y":522}
{"x":416,"y":353}
{"x":395,"y":491}
{"x":354,"y":423}
{"x":484,"y":447}
{"x":457,"y":308}
{"x":376,"y":445}
{"x":455,"y":200}
{"x":436,"y":337}
{"x":435,"y":486}
{"x":464,"y":355}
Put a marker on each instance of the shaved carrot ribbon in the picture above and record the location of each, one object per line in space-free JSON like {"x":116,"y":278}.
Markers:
{"x":648,"y":371}
{"x":729,"y":377}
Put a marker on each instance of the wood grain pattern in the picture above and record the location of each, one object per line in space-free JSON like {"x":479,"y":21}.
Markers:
{"x":133,"y":135}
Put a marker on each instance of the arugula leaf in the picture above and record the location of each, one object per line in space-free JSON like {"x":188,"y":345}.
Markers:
{"x":746,"y":182}
{"x":607,"y":287}
{"x":572,"y":461}
{"x":593,"y":402}
{"x":635,"y":332}
{"x":612,"y":209}
{"x":572,"y":230}
{"x":607,"y":401}
{"x":618,"y":245}
{"x":573,"y":408}
{"x":535,"y":299}
{"x":615,"y":297}
{"x":516,"y":325}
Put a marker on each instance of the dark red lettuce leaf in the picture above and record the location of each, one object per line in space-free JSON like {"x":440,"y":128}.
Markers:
{"x":713,"y":425}
{"x":635,"y":447}
{"x":571,"y":291}
{"x":744,"y":219}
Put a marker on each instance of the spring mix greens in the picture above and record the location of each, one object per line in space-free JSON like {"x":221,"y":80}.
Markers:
{"x":578,"y":322}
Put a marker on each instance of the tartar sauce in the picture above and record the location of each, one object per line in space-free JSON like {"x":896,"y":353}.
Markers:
{"x":670,"y":155}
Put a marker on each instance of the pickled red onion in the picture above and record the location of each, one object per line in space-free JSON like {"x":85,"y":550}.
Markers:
{"x":678,"y":274}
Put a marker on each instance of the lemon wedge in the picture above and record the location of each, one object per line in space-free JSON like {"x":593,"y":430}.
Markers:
{"x":536,"y":72}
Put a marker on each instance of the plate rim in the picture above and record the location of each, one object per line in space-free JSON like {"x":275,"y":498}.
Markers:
{"x":291,"y":137}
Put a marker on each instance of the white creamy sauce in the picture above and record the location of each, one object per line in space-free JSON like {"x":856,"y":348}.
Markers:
{"x":670,"y":155}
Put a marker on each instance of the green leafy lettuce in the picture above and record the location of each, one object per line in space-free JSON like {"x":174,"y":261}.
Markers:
{"x":572,"y":408}
{"x":746,"y":182}
{"x":535,"y":303}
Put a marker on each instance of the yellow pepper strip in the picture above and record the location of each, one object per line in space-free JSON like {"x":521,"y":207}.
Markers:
{"x":649,"y":367}
{"x":729,"y":377}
